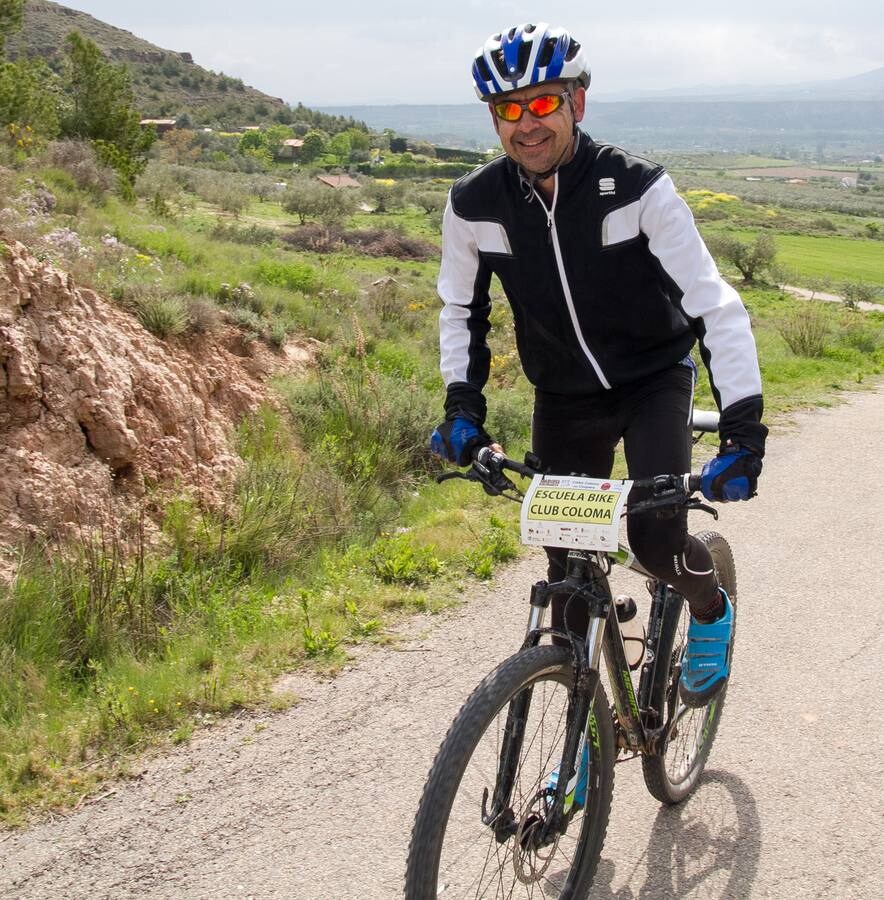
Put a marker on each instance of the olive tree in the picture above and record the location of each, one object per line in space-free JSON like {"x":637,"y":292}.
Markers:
{"x":750,"y":258}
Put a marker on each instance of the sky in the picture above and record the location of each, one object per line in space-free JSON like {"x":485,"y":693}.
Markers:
{"x":350,"y":52}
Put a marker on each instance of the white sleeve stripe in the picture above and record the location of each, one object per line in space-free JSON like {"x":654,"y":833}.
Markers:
{"x":673,"y":239}
{"x":454,"y":343}
{"x":456,"y":284}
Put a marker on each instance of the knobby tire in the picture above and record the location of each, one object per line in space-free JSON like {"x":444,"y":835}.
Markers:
{"x":672,"y":774}
{"x":452,"y":853}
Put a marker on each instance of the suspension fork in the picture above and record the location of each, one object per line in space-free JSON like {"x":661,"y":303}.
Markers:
{"x":580,"y":725}
{"x":514,"y":731}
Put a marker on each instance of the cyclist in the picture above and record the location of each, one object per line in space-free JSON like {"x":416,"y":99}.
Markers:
{"x":610,"y":286}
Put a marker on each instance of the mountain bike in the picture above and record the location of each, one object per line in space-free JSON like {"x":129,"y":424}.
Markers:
{"x":497,"y":818}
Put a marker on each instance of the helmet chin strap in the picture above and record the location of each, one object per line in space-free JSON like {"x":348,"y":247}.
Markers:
{"x":529,"y":179}
{"x":532,"y":177}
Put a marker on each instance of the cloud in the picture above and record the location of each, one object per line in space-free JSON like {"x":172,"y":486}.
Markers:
{"x":354,"y":52}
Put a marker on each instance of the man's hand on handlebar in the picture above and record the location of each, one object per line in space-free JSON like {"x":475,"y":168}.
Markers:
{"x":732,"y":475}
{"x":457,"y":440}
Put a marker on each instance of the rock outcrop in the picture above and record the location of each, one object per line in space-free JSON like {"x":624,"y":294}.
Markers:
{"x":95,"y":410}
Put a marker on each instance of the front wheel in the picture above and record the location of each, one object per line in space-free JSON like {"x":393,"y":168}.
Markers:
{"x":672,"y":773}
{"x":453,"y":854}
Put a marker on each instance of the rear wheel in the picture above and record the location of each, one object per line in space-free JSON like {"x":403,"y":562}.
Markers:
{"x":672,"y":774}
{"x":453,"y":853}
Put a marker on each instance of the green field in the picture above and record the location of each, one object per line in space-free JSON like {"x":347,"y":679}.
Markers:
{"x":839,"y":259}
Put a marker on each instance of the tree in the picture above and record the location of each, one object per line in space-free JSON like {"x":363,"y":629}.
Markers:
{"x":314,"y":145}
{"x":251,"y":140}
{"x":179,"y":145}
{"x":339,"y":147}
{"x":274,"y":136}
{"x":10,"y":19}
{"x":385,"y":194}
{"x":300,"y":198}
{"x":359,"y":140}
{"x":854,"y":293}
{"x":750,"y":258}
{"x":305,"y":197}
{"x":430,"y":201}
{"x":102,"y":109}
{"x":28,"y":104}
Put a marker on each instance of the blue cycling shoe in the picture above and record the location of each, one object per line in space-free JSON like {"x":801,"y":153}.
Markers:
{"x":576,"y":799}
{"x":707,"y":661}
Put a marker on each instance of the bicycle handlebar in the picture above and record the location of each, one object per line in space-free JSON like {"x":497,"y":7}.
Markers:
{"x":489,"y":465}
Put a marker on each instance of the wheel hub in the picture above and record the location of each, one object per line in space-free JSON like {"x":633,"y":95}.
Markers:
{"x":532,"y":856}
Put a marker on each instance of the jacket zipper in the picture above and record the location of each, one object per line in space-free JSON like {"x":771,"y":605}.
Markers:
{"x":553,"y":237}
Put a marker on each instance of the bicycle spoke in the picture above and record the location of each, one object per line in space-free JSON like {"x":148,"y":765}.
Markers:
{"x":507,"y":859}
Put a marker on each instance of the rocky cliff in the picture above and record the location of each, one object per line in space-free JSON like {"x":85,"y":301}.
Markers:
{"x":95,"y":411}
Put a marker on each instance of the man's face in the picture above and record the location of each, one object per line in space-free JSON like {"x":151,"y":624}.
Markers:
{"x":539,"y":144}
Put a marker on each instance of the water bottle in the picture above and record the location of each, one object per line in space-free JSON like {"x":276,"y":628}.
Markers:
{"x":632,"y":629}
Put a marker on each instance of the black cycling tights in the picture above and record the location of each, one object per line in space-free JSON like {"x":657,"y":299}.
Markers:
{"x":578,"y":434}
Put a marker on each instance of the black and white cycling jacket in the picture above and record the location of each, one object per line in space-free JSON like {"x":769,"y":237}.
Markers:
{"x":608,"y":283}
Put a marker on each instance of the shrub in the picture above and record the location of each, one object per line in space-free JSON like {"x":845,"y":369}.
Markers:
{"x":861,"y":337}
{"x":242,"y":296}
{"x":158,"y":181}
{"x":164,"y":316}
{"x":366,"y":427}
{"x":248,"y":320}
{"x":387,"y":299}
{"x":293,"y":276}
{"x":203,"y":315}
{"x":496,"y":545}
{"x":396,"y":560}
{"x":371,"y":241}
{"x":806,"y":331}
{"x":237,"y":234}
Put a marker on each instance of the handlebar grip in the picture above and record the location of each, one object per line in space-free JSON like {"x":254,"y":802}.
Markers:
{"x":694,"y":482}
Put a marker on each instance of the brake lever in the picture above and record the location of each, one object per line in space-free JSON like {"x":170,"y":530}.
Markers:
{"x":694,"y":503}
{"x":445,"y":476}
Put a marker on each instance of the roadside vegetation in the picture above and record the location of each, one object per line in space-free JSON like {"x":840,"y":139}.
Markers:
{"x":335,"y":528}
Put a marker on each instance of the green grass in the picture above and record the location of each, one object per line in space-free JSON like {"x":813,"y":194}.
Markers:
{"x":817,"y":256}
{"x":838,"y":258}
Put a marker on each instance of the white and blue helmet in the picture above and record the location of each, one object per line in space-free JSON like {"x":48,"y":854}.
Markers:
{"x":526,"y":55}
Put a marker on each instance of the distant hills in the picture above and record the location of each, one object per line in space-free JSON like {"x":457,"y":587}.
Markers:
{"x":866,"y":86}
{"x":840,"y":116}
{"x":165,"y":82}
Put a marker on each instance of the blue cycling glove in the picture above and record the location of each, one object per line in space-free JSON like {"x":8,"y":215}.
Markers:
{"x":455,"y":439}
{"x":732,"y":475}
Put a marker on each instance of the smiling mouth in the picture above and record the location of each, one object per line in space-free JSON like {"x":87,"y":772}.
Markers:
{"x":531,"y":144}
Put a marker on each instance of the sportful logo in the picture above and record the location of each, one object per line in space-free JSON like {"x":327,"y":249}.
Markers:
{"x":606,"y":186}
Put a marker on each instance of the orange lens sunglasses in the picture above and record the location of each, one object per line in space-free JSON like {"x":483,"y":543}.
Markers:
{"x":539,"y":107}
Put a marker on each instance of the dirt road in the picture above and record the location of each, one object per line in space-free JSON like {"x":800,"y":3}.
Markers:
{"x":316,"y":803}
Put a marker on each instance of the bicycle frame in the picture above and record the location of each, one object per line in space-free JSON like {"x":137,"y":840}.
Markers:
{"x":640,"y":728}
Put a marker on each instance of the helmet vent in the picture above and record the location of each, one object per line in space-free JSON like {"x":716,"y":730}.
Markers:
{"x":546,"y":52}
{"x":521,"y":64}
{"x":573,"y":50}
{"x":484,"y":71}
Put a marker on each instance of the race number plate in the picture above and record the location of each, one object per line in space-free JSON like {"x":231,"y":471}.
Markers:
{"x":568,"y":511}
